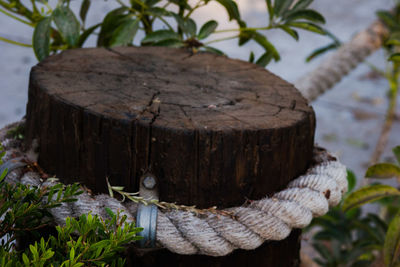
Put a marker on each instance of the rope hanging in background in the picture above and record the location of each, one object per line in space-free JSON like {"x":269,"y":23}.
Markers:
{"x":213,"y":234}
{"x":341,"y":62}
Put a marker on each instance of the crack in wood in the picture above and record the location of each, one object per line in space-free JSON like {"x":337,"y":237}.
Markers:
{"x":154,"y":108}
{"x":187,"y":116}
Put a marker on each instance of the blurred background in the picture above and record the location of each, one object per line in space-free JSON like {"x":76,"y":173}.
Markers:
{"x":349,"y":117}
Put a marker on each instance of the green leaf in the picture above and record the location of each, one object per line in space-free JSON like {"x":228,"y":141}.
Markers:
{"x":159,"y":12}
{"x":83,"y":37}
{"x":152,"y":2}
{"x":245,"y":36}
{"x":394,"y":39}
{"x":391,"y":248}
{"x":263,"y":41}
{"x":41,"y":39}
{"x":48,"y":254}
{"x":213,"y":50}
{"x":25,"y":259}
{"x":191,"y":27}
{"x":322,"y":250}
{"x":188,"y":26}
{"x":352,"y":180}
{"x":159,"y":36}
{"x":264,"y":59}
{"x":290,"y":31}
{"x":383,"y":170}
{"x":282,"y":6}
{"x":302,"y":4}
{"x":395,"y":57}
{"x":111,"y":21}
{"x":318,"y":52}
{"x":381,"y":225}
{"x":396,"y":152}
{"x":232,"y":9}
{"x":308,"y":26}
{"x":72,"y":255}
{"x":368,"y":194}
{"x":67,"y":24}
{"x":387,"y":18}
{"x":392,"y":42}
{"x":110,"y":212}
{"x":181,"y":3}
{"x":125,"y":33}
{"x":207,"y":29}
{"x":251,"y":57}
{"x":307,"y":14}
{"x":84,"y":9}
{"x":3,"y":175}
{"x":34,"y":251}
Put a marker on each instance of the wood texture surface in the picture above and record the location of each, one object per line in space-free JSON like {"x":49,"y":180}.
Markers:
{"x":215,"y":131}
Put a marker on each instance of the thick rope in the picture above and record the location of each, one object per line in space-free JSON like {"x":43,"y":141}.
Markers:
{"x":342,"y":61}
{"x":213,"y":234}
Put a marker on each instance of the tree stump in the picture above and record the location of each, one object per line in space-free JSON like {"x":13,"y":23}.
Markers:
{"x":215,"y":131}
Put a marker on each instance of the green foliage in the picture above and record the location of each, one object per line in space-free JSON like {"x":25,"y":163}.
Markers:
{"x":391,"y":19}
{"x":24,"y":209}
{"x":387,"y":197}
{"x":383,"y":170}
{"x":392,"y":243}
{"x":396,"y":152}
{"x":86,"y":241}
{"x":41,"y":39}
{"x":334,"y":44}
{"x":369,"y":194}
{"x":59,"y":28}
{"x":17,"y":133}
{"x":349,"y":238}
{"x":67,"y":24}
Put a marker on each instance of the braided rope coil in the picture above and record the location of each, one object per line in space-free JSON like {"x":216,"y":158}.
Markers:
{"x":183,"y":232}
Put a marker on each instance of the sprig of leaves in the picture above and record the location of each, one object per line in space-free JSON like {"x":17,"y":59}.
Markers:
{"x":24,"y":209}
{"x":86,"y":241}
{"x":134,"y":197}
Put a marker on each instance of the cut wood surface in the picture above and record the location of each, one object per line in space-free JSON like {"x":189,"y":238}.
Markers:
{"x":215,"y":131}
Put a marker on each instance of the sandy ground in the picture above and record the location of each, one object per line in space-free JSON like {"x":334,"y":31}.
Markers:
{"x":348,"y":117}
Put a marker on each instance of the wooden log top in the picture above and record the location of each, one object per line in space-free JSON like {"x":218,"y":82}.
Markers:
{"x":172,"y":88}
{"x":214,"y":130}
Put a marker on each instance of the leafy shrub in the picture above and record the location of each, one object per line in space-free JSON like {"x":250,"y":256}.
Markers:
{"x":59,"y":28}
{"x":86,"y":241}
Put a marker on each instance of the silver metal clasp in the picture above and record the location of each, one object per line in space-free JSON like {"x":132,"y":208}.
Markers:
{"x":146,"y":216}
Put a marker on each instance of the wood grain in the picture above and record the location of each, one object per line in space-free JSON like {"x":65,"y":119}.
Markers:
{"x":215,"y":131}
